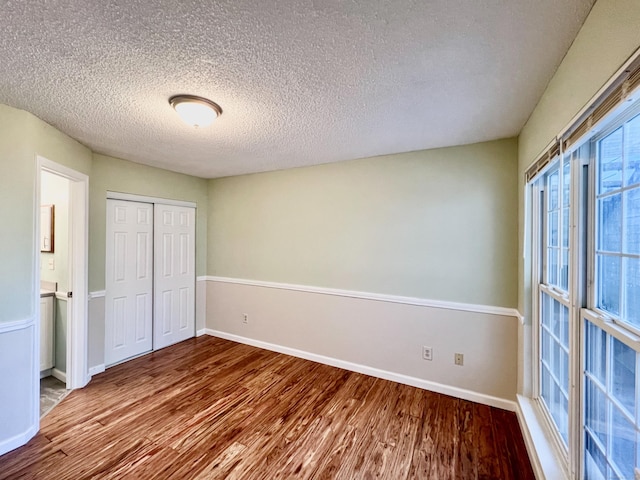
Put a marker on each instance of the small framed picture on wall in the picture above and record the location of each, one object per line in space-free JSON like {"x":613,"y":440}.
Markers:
{"x":47,"y":220}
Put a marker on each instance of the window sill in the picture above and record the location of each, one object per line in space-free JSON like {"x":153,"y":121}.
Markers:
{"x":545,"y":460}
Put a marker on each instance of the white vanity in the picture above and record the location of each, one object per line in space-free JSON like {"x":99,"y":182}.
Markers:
{"x":47,"y":298}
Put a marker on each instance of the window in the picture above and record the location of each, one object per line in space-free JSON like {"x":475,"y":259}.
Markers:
{"x":554,"y":370}
{"x":611,"y":390}
{"x":617,"y":255}
{"x":554,"y":307}
{"x":611,"y":399}
{"x":587,"y":299}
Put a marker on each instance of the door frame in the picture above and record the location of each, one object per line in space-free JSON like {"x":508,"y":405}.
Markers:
{"x":146,"y":199}
{"x":77,"y":313}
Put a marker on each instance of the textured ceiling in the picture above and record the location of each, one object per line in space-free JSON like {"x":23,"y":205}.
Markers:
{"x":301,"y":82}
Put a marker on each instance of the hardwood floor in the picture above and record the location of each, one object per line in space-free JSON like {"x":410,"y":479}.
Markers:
{"x":209,"y":408}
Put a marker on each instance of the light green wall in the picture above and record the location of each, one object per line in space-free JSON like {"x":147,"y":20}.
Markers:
{"x":114,"y":174}
{"x":437,"y":224}
{"x":17,"y":187}
{"x":609,"y":36}
{"x":54,"y":190}
{"x":22,"y":138}
{"x":60,"y":148}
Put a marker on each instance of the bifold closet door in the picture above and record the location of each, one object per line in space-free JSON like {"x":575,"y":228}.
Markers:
{"x":129,"y":280}
{"x":174,"y":274}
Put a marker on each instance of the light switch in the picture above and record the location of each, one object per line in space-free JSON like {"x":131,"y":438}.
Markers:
{"x":52,"y":264}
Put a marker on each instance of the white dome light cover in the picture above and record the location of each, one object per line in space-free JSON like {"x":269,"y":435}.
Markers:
{"x":195,"y":111}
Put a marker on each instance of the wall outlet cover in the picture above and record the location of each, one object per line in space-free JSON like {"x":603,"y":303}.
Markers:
{"x":458,"y":359}
{"x":427,"y":353}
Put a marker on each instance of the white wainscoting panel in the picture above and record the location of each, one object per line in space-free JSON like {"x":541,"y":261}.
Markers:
{"x":375,"y":336}
{"x":19,"y":419}
{"x":201,"y":305}
{"x":95,"y":344}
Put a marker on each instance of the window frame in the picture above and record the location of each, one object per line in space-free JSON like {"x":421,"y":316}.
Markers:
{"x":619,"y":97}
{"x":592,"y":288}
{"x":541,"y":286}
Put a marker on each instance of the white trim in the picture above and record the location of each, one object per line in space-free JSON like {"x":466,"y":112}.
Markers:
{"x":202,"y":278}
{"x":6,"y":327}
{"x":201,"y":332}
{"x":20,"y":439}
{"x":374,"y":372}
{"x":544,"y":460}
{"x":77,"y":310}
{"x":59,"y":374}
{"x":420,"y":302}
{"x":520,"y":317}
{"x":60,"y":170}
{"x":96,"y":370}
{"x":145,"y":199}
{"x":35,"y":352}
{"x":97,"y":294}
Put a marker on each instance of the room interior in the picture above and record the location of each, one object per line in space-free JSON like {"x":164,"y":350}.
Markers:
{"x":361,"y":197}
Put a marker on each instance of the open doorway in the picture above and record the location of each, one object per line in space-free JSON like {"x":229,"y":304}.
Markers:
{"x":55,"y":263}
{"x":62,"y":238}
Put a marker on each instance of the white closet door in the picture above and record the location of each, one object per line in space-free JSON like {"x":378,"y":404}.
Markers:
{"x":129,"y":280}
{"x":174,"y":289}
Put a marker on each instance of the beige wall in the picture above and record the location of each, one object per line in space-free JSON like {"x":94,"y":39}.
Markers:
{"x":438,"y":224}
{"x":117,"y":175}
{"x":381,"y":338}
{"x":609,"y":36}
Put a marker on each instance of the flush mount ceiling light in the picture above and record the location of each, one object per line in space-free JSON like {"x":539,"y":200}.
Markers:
{"x":196,"y":111}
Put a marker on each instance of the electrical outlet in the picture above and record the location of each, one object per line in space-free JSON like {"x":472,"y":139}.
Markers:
{"x":245,"y":318}
{"x":427,"y":353}
{"x":458,"y":359}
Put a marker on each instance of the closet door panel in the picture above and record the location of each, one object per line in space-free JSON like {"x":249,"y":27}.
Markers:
{"x":129,"y":280}
{"x":174,"y":288}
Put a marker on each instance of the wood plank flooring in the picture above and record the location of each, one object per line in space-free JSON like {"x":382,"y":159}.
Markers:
{"x":208,"y":408}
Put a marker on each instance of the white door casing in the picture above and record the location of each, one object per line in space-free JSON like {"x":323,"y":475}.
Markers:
{"x":174,"y":265}
{"x":77,"y":371}
{"x":129,"y":280}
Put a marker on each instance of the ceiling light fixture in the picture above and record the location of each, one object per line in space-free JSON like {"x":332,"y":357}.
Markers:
{"x":196,"y":111}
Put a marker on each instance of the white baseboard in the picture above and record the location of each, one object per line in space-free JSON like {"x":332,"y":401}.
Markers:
{"x":199,"y":333}
{"x":96,"y":370}
{"x":18,"y":440}
{"x":374,"y":372}
{"x":60,"y":375}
